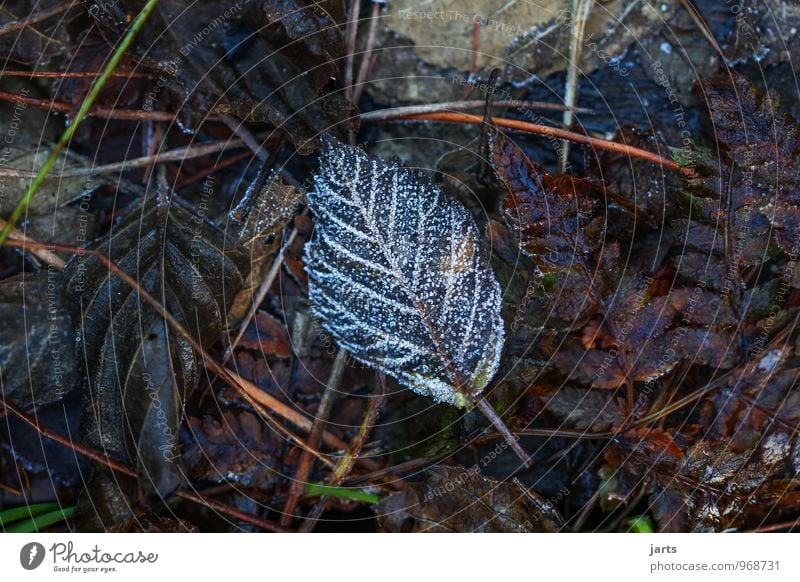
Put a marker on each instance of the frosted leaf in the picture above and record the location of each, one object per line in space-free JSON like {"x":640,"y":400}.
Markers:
{"x":399,"y":276}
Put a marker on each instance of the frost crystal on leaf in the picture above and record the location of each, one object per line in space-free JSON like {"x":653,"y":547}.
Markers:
{"x":399,"y":276}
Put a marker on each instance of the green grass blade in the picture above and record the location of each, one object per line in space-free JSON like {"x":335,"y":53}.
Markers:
{"x":84,"y":109}
{"x":41,"y":522}
{"x":8,"y":516}
{"x":638,"y":524}
{"x":343,"y":492}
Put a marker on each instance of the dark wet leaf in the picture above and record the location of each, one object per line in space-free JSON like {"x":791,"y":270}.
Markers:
{"x":237,"y":448}
{"x":708,"y":486}
{"x":645,"y":190}
{"x":39,"y":42}
{"x":724,"y":489}
{"x":460,"y":499}
{"x":267,"y":335}
{"x":138,"y":370}
{"x":763,"y":143}
{"x":589,"y":410}
{"x":272,"y":61}
{"x":553,"y":216}
{"x":644,"y":337}
{"x":37,"y":351}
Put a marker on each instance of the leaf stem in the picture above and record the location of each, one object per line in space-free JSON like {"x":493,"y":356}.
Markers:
{"x":492,"y":416}
{"x":65,"y":138}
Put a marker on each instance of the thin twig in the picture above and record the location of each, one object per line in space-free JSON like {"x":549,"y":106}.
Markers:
{"x":376,"y":400}
{"x":68,"y":75}
{"x":582,"y":9}
{"x":231,"y":511}
{"x":587,"y":510}
{"x":407,"y":467}
{"x":152,"y":134}
{"x":207,"y":170}
{"x":557,"y":133}
{"x":790,"y":525}
{"x":703,"y":26}
{"x":476,"y":43}
{"x":398,"y":112}
{"x":35,"y":17}
{"x":174,"y":155}
{"x":61,"y":107}
{"x":549,"y":433}
{"x":244,"y":134}
{"x":350,"y":37}
{"x":491,"y":415}
{"x":366,"y":59}
{"x":54,"y":436}
{"x":345,"y":464}
{"x":46,"y":256}
{"x":305,"y":464}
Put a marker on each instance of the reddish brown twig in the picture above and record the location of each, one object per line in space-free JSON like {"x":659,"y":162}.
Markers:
{"x":548,"y":131}
{"x":345,"y":464}
{"x":122,"y":114}
{"x":197,"y":176}
{"x":70,"y":75}
{"x":366,"y":59}
{"x":231,"y":511}
{"x":44,"y":255}
{"x":777,"y":526}
{"x":305,"y":464}
{"x":61,"y":439}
